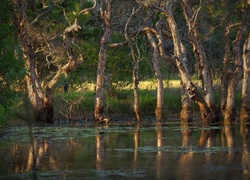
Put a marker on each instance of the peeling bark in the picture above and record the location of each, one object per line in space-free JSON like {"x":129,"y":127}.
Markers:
{"x":235,"y":77}
{"x":245,"y":83}
{"x":137,"y":108}
{"x":99,"y":95}
{"x":200,"y":55}
{"x":41,"y":99}
{"x":160,"y":87}
{"x":178,"y":59}
{"x":224,"y":76}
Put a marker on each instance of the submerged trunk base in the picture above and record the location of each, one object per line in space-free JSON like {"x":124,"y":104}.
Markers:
{"x":244,"y":117}
{"x":44,"y":115}
{"x":99,"y":116}
{"x":158,"y":113}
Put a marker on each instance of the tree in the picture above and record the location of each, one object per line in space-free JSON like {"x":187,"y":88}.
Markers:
{"x":179,"y":57}
{"x":38,"y":54}
{"x":232,"y":69}
{"x":100,"y":75}
{"x":245,"y":83}
{"x":204,"y":72}
{"x":11,"y":68}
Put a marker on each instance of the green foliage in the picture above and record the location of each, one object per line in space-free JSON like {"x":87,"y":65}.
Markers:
{"x":11,"y":67}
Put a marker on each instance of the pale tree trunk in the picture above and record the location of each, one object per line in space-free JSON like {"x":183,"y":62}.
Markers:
{"x":186,"y":115}
{"x":160,"y":87}
{"x":192,"y":91}
{"x":246,"y":79}
{"x":200,"y":55}
{"x":224,"y":75}
{"x":137,"y":108}
{"x":234,"y":78}
{"x":99,"y":95}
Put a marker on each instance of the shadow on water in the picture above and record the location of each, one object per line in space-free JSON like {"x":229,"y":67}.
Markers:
{"x":138,"y":151}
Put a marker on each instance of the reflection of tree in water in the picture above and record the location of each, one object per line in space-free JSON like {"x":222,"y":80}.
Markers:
{"x":137,"y":141}
{"x":159,"y":141}
{"x":186,"y":159}
{"x":227,"y":131}
{"x":35,"y":152}
{"x":99,"y":151}
{"x":245,"y":161}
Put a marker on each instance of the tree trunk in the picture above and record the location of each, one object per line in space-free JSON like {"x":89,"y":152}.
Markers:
{"x":41,"y":101}
{"x":160,"y":87}
{"x":186,"y":115}
{"x":201,"y":58}
{"x":99,"y":95}
{"x":193,"y":93}
{"x":224,"y":75}
{"x":230,"y":112}
{"x":178,"y":59}
{"x":246,"y":79}
{"x":136,"y":60}
{"x":137,"y":108}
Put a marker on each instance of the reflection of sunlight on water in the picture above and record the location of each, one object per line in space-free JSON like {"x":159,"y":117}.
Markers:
{"x":245,"y":148}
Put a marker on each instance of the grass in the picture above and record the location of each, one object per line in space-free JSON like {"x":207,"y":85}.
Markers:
{"x":79,"y":103}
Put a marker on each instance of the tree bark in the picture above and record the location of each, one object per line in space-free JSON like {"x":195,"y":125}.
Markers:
{"x":200,"y":55}
{"x":246,"y":79}
{"x":235,"y":77}
{"x":99,"y":95}
{"x":179,"y":58}
{"x":186,"y":115}
{"x":41,"y":101}
{"x":224,"y":76}
{"x":193,"y":93}
{"x":137,"y":108}
{"x":160,"y":87}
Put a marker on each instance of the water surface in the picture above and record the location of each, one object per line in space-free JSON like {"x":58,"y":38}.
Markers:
{"x":155,"y":151}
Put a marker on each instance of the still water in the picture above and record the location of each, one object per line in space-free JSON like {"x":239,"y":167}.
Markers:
{"x":145,"y":151}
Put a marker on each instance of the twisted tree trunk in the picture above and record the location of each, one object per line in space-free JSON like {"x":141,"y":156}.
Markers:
{"x":40,"y":100}
{"x":179,"y":58}
{"x":200,"y":55}
{"x":99,"y":95}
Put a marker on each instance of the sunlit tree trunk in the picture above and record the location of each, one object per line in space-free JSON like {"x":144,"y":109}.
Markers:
{"x":246,"y":79}
{"x":160,"y":87}
{"x":234,"y":78}
{"x":200,"y":55}
{"x":99,"y":95}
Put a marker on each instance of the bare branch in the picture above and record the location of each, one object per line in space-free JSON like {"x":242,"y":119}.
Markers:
{"x":86,"y":11}
{"x":40,"y":16}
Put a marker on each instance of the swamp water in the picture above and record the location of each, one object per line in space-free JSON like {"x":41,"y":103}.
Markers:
{"x":155,"y":151}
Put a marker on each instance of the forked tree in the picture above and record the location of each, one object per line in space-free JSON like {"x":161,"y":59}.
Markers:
{"x":36,"y":49}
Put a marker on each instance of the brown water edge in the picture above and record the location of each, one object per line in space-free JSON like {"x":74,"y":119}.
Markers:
{"x":125,"y":150}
